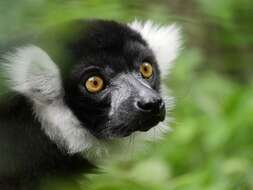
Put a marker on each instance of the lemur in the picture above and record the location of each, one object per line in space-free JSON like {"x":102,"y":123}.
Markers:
{"x":70,"y":92}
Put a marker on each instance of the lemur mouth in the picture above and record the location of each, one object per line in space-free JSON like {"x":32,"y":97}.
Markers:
{"x":112,"y":129}
{"x":139,"y":127}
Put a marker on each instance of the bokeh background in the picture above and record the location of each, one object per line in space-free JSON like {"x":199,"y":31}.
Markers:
{"x":211,"y":146}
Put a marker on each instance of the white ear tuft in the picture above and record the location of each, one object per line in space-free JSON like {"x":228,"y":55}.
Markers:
{"x":163,"y":40}
{"x":30,"y":71}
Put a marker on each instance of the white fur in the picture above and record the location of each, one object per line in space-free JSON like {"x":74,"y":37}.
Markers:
{"x":30,"y":71}
{"x":163,"y":40}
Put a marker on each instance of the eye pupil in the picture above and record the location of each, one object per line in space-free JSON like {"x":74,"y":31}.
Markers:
{"x":95,"y":83}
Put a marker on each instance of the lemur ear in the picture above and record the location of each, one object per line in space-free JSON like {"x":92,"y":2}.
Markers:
{"x":165,"y":41}
{"x":30,"y":71}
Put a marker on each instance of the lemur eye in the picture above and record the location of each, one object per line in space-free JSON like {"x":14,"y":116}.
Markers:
{"x":146,"y":70}
{"x":94,"y":84}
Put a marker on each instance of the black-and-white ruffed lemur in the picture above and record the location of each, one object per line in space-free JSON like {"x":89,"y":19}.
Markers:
{"x":74,"y":91}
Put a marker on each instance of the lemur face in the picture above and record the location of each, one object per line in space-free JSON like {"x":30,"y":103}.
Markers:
{"x":113,"y":87}
{"x":91,"y":82}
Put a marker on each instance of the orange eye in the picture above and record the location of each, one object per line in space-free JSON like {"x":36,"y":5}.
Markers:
{"x":94,"y":84}
{"x":146,"y":70}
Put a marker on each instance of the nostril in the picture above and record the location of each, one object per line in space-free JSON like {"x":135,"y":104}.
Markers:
{"x":145,"y":106}
{"x":151,"y":106}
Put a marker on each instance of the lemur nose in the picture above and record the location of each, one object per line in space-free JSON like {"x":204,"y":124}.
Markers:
{"x":155,"y":106}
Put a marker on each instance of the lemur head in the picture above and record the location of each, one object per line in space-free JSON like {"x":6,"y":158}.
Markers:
{"x":95,"y":80}
{"x":113,"y":86}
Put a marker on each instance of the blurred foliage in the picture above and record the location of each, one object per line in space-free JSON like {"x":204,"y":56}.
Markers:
{"x":211,"y":146}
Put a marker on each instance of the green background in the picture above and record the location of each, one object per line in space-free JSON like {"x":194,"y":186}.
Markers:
{"x":211,"y":146}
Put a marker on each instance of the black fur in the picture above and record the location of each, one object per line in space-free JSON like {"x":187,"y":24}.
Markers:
{"x":80,"y":49}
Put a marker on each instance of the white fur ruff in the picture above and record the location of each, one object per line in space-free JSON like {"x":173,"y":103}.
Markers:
{"x":31,"y":72}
